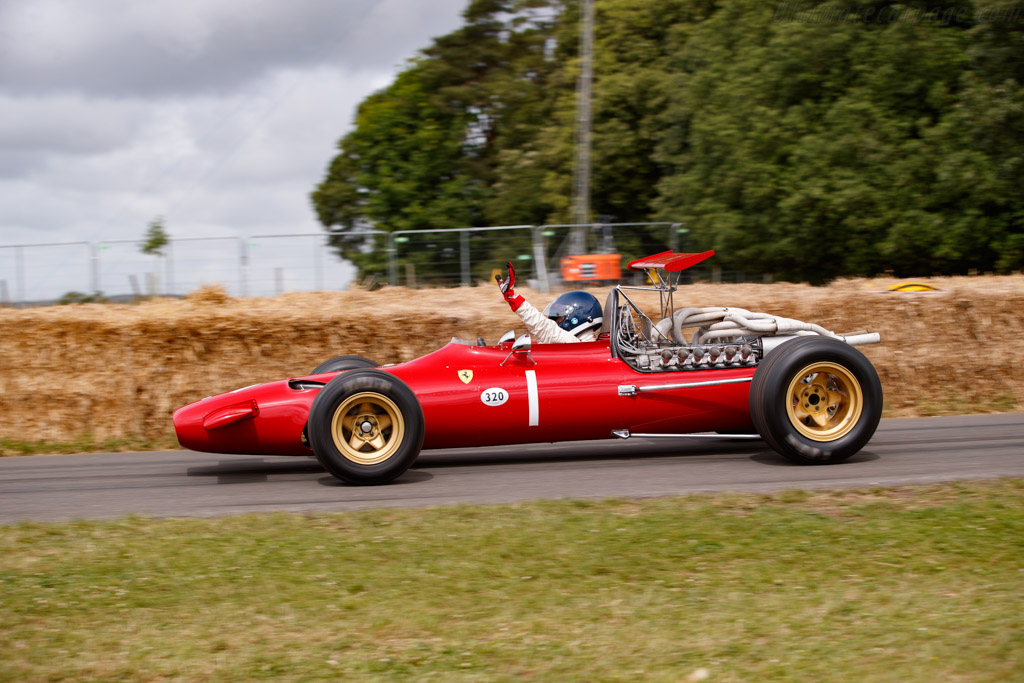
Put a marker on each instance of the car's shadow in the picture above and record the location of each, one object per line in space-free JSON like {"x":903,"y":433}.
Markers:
{"x":409,"y":477}
{"x":258,"y":470}
{"x":576,"y":451}
{"x":770,"y":457}
{"x":245,"y":470}
{"x":249,"y":470}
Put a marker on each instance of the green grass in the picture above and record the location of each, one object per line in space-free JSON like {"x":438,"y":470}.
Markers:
{"x":911,"y":584}
{"x":953,"y":404}
{"x":84,"y":443}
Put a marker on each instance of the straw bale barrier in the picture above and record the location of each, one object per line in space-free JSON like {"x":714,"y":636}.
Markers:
{"x":116,"y":372}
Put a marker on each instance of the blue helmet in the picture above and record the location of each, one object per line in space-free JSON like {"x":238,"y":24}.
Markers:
{"x":575,"y":312}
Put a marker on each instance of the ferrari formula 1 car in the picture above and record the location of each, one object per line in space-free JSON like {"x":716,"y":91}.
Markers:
{"x":708,"y":372}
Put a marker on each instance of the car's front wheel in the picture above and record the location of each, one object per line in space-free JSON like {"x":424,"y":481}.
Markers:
{"x":366,"y":427}
{"x":816,"y":400}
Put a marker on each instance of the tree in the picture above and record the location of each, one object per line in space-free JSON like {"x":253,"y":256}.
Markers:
{"x":425,"y":151}
{"x":844,"y":137}
{"x":74,"y":297}
{"x":155,"y":239}
{"x":812,"y":149}
{"x":153,"y":244}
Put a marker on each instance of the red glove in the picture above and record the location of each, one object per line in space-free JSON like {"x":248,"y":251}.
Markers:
{"x":506,"y":286}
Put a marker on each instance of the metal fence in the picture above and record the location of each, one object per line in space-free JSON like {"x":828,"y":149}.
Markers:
{"x":469,"y":256}
{"x":266,"y":265}
{"x":259,"y":265}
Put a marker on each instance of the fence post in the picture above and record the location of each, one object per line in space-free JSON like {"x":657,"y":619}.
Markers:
{"x":540,"y":260}
{"x":94,"y":263}
{"x":169,"y":269}
{"x":464,"y":257}
{"x":392,"y":260}
{"x":19,"y":276}
{"x":243,"y":263}
{"x":318,"y":266}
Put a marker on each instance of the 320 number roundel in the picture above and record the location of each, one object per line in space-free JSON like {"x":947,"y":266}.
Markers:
{"x":494,"y":397}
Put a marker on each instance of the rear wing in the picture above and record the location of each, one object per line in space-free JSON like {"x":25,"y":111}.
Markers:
{"x":661,"y":270}
{"x":670,"y":261}
{"x":660,"y":267}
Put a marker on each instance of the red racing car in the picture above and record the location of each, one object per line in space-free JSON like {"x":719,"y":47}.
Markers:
{"x":707,"y":372}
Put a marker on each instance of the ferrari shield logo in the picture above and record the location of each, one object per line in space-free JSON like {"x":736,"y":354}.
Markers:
{"x":466,"y":376}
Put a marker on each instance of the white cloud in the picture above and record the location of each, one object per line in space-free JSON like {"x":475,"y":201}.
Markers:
{"x":185,"y":46}
{"x":221,"y":115}
{"x":68,"y":124}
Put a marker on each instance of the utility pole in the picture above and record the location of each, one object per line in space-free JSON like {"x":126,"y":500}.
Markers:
{"x":581,"y":162}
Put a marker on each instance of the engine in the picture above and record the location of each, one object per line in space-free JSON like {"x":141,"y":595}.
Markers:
{"x":708,"y":338}
{"x":696,"y":357}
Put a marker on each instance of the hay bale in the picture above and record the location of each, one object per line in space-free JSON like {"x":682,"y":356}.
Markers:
{"x":118,"y":371}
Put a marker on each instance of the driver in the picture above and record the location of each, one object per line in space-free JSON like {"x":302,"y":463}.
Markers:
{"x":572,"y":317}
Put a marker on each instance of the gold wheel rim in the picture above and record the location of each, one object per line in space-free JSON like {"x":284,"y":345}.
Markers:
{"x":824,"y":401}
{"x":367,"y":428}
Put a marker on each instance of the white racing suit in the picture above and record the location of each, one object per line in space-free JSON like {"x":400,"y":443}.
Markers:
{"x":544,"y":330}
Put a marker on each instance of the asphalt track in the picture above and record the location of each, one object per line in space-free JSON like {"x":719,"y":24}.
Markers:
{"x":189,"y":484}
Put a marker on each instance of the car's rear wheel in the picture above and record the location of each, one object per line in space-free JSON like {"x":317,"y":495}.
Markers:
{"x":366,"y":427}
{"x":339,"y":363}
{"x":816,"y":400}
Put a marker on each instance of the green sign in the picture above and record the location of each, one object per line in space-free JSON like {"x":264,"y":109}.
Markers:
{"x":523,"y":257}
{"x":401,"y":238}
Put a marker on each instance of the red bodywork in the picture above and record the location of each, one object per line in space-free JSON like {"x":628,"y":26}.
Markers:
{"x":556,"y":392}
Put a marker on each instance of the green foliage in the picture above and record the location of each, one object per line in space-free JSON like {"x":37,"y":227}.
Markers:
{"x":811,"y":139}
{"x":155,"y":239}
{"x":81,"y":298}
{"x":424,"y":152}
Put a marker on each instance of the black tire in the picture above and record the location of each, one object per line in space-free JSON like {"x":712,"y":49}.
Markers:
{"x":339,"y":363}
{"x":815,"y":400}
{"x":375,"y":454}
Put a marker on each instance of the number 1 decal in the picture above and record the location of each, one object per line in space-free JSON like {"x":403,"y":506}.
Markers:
{"x":531,"y":394}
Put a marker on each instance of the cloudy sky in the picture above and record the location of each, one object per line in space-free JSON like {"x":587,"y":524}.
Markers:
{"x":219,"y":115}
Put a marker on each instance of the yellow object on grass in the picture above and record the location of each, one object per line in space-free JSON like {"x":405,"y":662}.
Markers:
{"x":913,"y":287}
